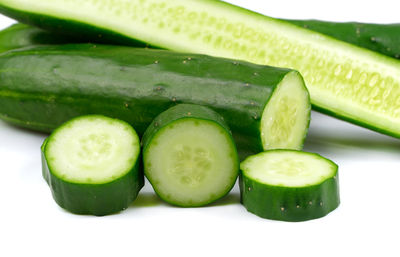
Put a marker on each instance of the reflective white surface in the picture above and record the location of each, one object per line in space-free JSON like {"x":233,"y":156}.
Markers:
{"x":366,"y":223}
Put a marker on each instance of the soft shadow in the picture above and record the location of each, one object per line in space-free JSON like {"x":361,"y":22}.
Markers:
{"x":317,"y":142}
{"x":232,"y":198}
{"x":147,"y":199}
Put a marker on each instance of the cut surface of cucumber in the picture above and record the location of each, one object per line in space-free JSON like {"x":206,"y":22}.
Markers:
{"x":346,"y":81}
{"x":91,"y":165}
{"x":93,"y":149}
{"x":285,"y":116}
{"x":190,"y":159}
{"x":289,"y":185}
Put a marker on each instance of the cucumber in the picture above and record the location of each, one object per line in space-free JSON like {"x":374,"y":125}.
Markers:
{"x":21,"y":35}
{"x":381,"y":38}
{"x":266,"y":107}
{"x":91,"y":165}
{"x":289,"y":185}
{"x":189,"y":156}
{"x":344,"y":80}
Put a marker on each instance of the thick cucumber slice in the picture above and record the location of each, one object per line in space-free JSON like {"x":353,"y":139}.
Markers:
{"x":189,"y":156}
{"x":91,"y":165}
{"x":289,"y":185}
{"x":344,"y":80}
{"x":265,"y":107}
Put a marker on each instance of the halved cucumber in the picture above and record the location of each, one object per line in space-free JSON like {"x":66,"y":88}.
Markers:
{"x":91,"y":165}
{"x":289,"y":185}
{"x":189,"y":156}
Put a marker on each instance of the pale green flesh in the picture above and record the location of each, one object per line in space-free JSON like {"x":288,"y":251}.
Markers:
{"x":190,"y":162}
{"x":288,"y":168}
{"x":286,"y":116}
{"x":92,"y":149}
{"x":343,"y":79}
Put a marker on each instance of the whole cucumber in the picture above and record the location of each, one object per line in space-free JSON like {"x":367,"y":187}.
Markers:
{"x":44,"y":86}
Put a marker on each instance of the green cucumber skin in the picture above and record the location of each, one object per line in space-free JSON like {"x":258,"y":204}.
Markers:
{"x":72,"y":29}
{"x":257,"y":200}
{"x":71,"y":80}
{"x":95,"y":199}
{"x":290,"y":203}
{"x":178,"y":112}
{"x":381,"y":38}
{"x":21,"y":35}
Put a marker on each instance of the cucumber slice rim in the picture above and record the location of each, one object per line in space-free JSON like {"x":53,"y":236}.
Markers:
{"x":213,"y":196}
{"x":92,"y":180}
{"x":287,"y":179}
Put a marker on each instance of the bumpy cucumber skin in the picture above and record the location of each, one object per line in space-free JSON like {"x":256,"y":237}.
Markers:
{"x":94,"y":199}
{"x":22,"y":35}
{"x":72,"y":80}
{"x":381,"y":38}
{"x":289,"y":203}
{"x":72,"y":29}
{"x":179,"y":112}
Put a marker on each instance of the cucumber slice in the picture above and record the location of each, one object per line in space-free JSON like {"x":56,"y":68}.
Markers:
{"x":91,"y":165}
{"x":344,"y":80}
{"x":189,"y":156}
{"x":289,"y":185}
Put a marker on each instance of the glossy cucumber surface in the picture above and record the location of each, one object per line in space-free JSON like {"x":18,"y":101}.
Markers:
{"x":42,"y":87}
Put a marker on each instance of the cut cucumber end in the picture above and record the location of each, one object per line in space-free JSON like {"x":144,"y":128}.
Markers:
{"x":286,"y":117}
{"x":288,"y":168}
{"x":289,"y":185}
{"x":92,"y":149}
{"x":191,"y":162}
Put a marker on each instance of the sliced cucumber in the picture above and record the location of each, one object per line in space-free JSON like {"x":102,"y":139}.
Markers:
{"x":346,"y":81}
{"x":189,"y":156}
{"x":289,"y":185}
{"x":91,"y":165}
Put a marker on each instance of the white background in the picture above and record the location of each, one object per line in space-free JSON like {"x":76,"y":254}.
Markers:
{"x":367,"y":223}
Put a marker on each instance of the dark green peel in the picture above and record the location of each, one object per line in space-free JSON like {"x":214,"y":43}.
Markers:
{"x":134,"y":85}
{"x":381,"y":38}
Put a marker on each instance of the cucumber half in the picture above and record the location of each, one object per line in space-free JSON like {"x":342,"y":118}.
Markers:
{"x":189,"y":156}
{"x":91,"y":165}
{"x":266,"y":107}
{"x":289,"y":185}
